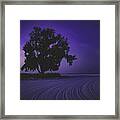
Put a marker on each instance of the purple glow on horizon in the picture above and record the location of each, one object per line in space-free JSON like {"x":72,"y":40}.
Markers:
{"x":83,"y":38}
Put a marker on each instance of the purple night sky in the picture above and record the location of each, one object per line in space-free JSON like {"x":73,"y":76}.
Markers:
{"x":83,"y":38}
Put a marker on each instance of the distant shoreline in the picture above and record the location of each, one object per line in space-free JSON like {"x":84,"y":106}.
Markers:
{"x":26,"y":76}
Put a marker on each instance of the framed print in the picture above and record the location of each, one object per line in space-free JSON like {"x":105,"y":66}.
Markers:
{"x":60,"y":59}
{"x":62,"y":84}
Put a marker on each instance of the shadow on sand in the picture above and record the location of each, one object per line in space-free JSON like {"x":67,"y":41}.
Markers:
{"x":28,"y":76}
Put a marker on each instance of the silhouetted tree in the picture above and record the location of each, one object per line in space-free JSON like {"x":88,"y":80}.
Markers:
{"x":45,"y":50}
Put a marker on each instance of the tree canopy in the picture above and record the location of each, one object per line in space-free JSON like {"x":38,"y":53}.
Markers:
{"x":45,"y":50}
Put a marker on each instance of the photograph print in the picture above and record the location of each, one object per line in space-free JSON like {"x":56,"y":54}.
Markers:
{"x":59,"y":59}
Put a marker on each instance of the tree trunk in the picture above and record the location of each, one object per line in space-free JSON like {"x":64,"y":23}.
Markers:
{"x":42,"y":71}
{"x":38,"y":70}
